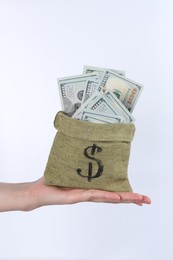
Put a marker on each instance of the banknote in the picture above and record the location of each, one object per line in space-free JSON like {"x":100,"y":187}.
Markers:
{"x":99,"y":95}
{"x":96,"y":117}
{"x":71,"y":91}
{"x":119,"y":105}
{"x":125,"y":89}
{"x":93,"y":119}
{"x":90,"y":69}
{"x":98,"y":102}
{"x":90,"y":87}
{"x":78,"y":112}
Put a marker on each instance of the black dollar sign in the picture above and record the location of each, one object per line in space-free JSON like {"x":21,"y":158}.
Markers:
{"x":94,"y":148}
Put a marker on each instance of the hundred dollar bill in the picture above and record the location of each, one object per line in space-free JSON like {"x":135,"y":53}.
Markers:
{"x":90,"y":87}
{"x":90,"y":69}
{"x":125,"y":89}
{"x":89,"y":115}
{"x":98,"y":102}
{"x":71,"y":91}
{"x":119,"y":105}
{"x":94,"y":119}
{"x":78,"y":113}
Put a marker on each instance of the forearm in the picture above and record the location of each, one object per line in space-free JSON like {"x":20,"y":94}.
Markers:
{"x":31,"y":195}
{"x":15,"y":196}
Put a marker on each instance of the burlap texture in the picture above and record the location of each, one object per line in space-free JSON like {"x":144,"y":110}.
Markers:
{"x":88,"y":155}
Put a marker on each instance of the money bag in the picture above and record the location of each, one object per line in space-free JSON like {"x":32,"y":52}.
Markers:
{"x":89,"y":155}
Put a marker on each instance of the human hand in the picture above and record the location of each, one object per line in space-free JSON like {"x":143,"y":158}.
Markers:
{"x":43,"y":195}
{"x":31,"y":195}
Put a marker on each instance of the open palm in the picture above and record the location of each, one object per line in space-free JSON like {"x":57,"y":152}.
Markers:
{"x":51,"y":195}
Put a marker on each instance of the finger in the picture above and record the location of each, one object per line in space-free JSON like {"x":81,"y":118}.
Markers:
{"x":146,"y":199}
{"x":111,"y":197}
{"x":83,"y":195}
{"x":100,"y":196}
{"x":134,"y":197}
{"x":130,"y":197}
{"x":138,"y":203}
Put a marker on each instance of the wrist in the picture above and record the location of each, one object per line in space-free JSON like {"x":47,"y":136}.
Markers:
{"x":16,"y":196}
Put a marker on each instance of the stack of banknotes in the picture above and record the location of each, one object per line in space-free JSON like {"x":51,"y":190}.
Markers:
{"x":99,"y":95}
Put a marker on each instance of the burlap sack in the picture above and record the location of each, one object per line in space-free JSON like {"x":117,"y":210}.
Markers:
{"x":89,"y":155}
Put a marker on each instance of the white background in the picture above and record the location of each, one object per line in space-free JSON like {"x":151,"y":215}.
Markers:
{"x":43,"y":40}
